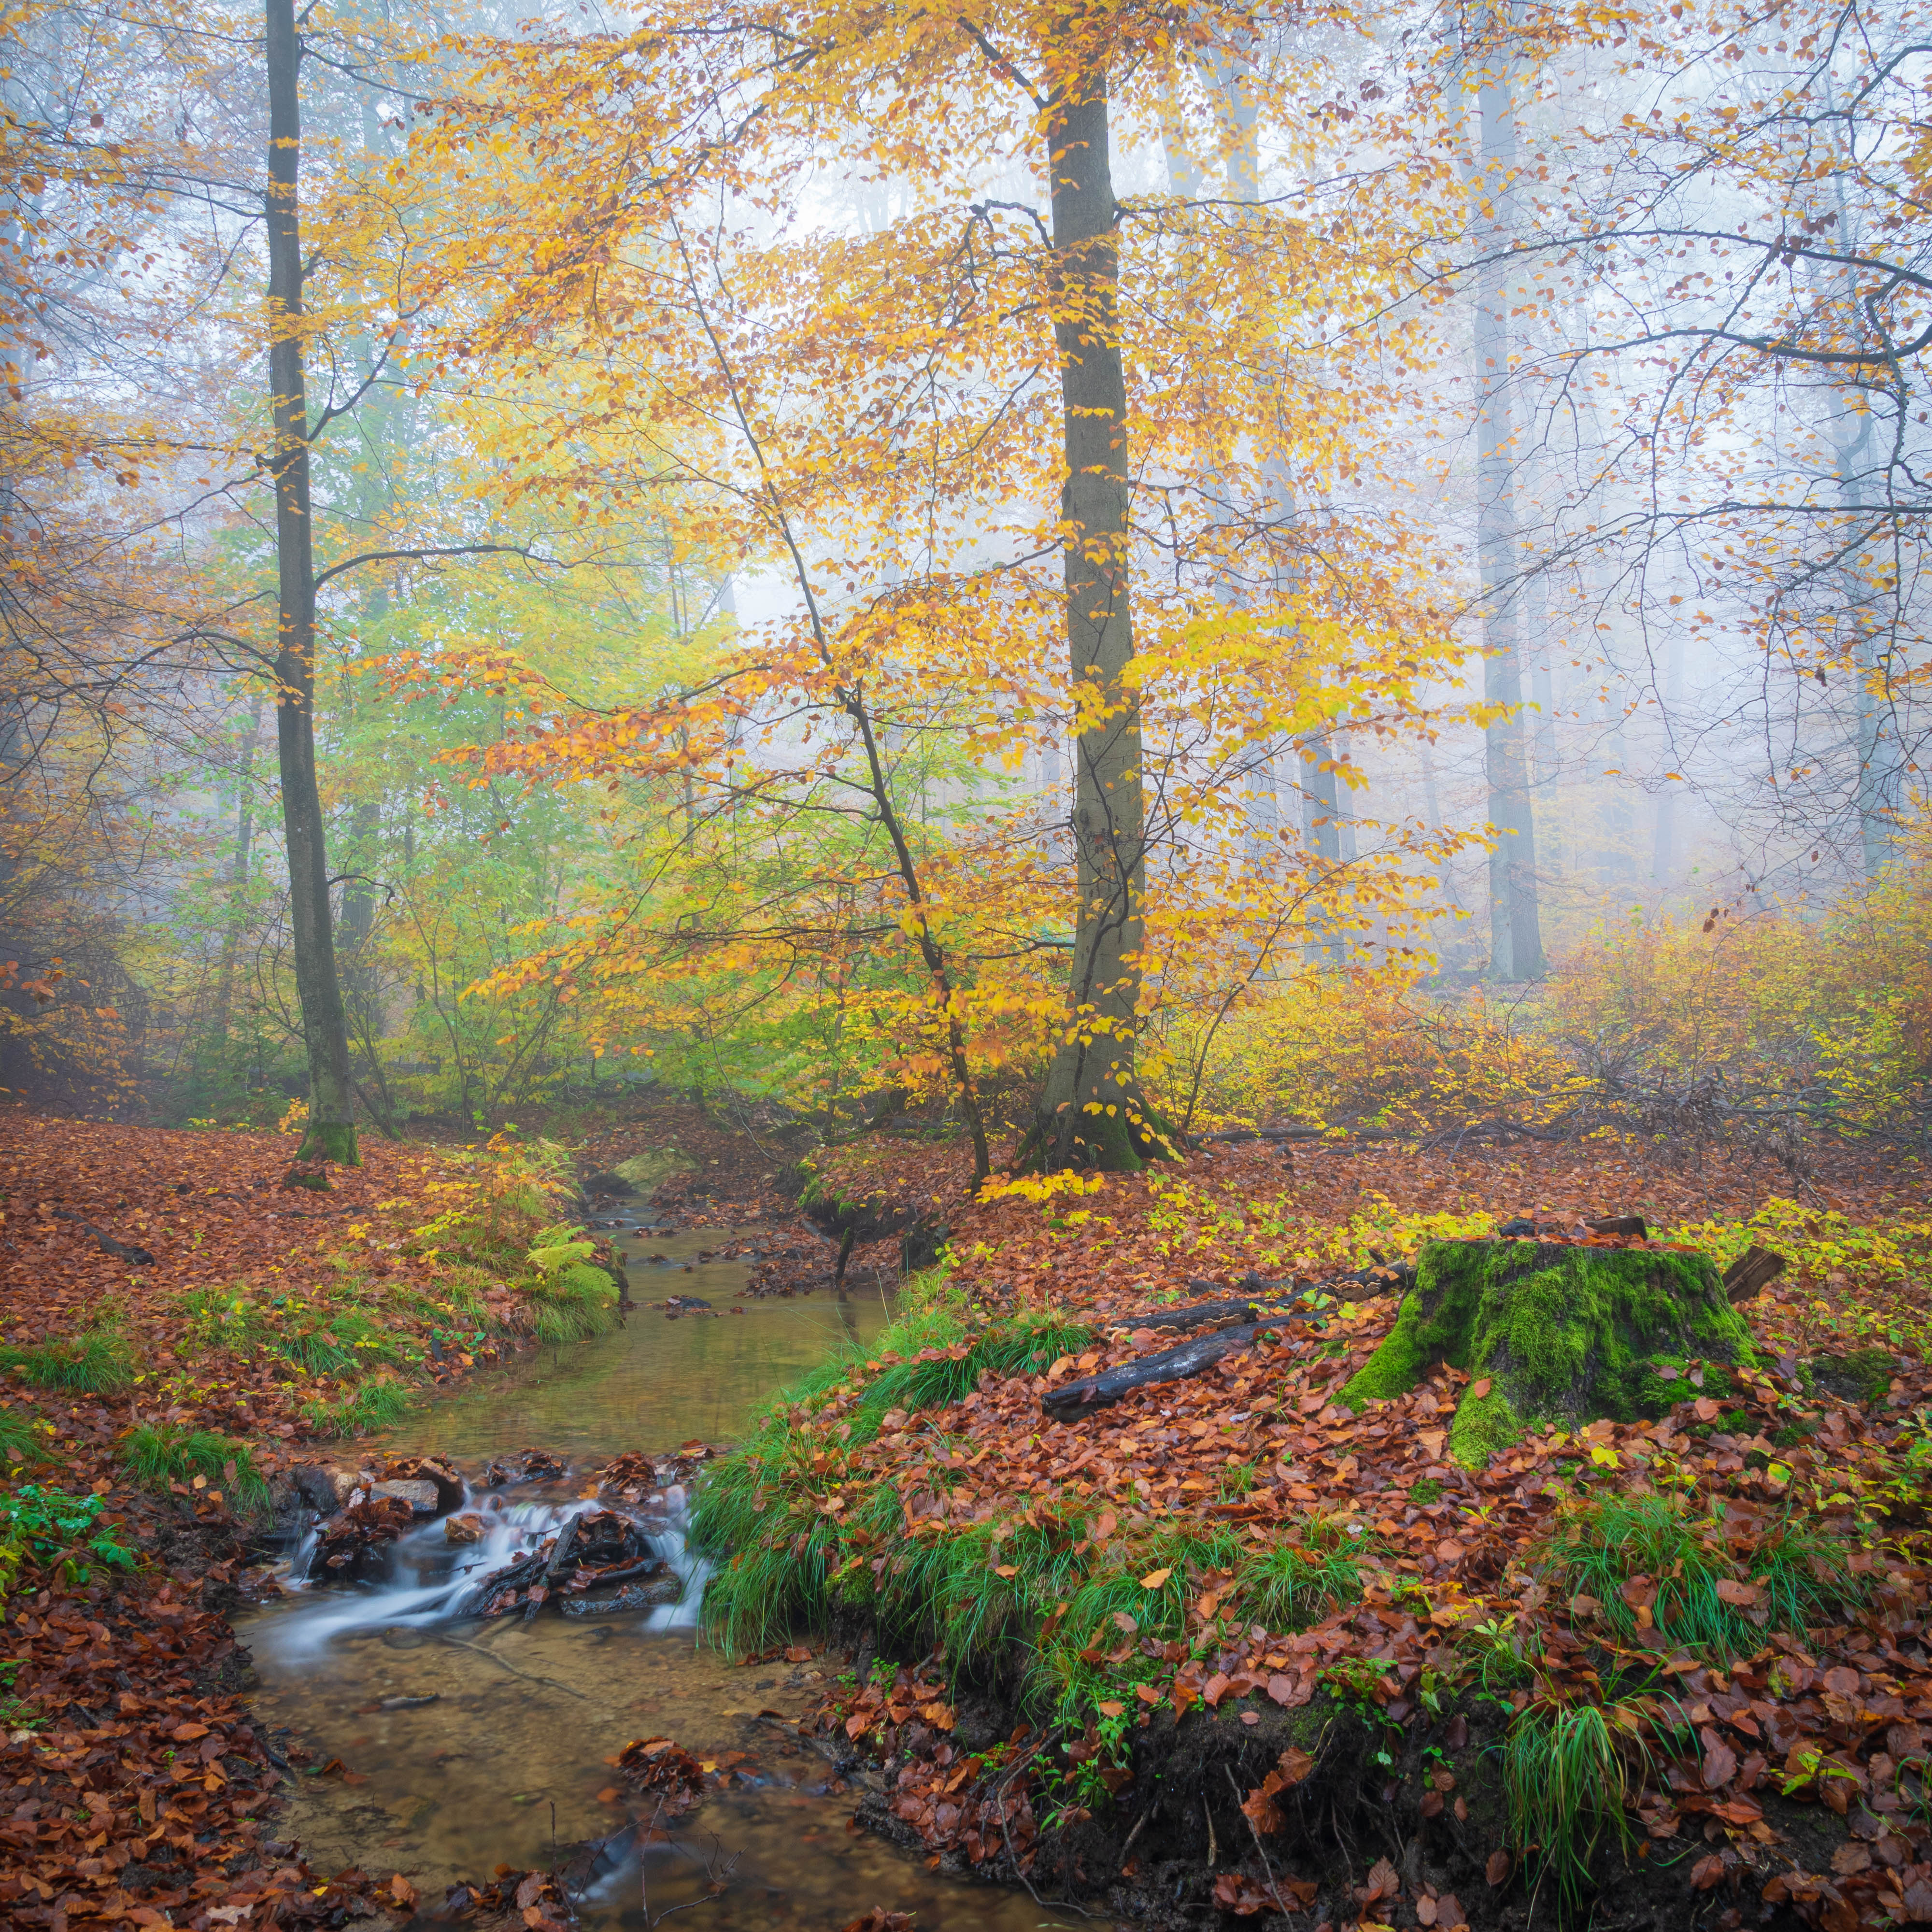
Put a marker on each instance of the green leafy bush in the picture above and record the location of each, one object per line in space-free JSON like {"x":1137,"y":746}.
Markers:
{"x":46,"y":1523}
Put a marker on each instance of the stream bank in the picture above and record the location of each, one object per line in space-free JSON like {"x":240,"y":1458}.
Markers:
{"x":441,"y":1745}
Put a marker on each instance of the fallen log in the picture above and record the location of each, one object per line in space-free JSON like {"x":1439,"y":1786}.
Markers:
{"x":1171,"y":1365}
{"x":131,"y":1253}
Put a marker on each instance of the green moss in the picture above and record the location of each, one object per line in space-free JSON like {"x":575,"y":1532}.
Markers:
{"x":1863,"y":1376}
{"x":1483,"y":1426}
{"x":1561,"y":1334}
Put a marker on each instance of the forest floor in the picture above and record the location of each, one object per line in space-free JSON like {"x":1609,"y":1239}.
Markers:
{"x":141,"y":1794}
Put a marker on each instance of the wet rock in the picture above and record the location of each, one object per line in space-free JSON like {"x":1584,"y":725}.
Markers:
{"x":421,"y":1497}
{"x":408,"y":1703}
{"x":463,"y":1528}
{"x":686,"y":1304}
{"x":436,"y":1469}
{"x":322,"y":1489}
{"x":608,"y":1185}
{"x":354,"y":1543}
{"x":531,"y":1465}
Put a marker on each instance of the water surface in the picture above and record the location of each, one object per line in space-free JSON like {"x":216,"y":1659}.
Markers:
{"x":496,"y":1744}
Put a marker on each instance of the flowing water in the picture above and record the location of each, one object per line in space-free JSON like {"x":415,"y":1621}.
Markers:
{"x":471,"y":1743}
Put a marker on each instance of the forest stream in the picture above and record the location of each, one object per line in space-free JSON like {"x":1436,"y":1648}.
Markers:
{"x":474,"y":1742}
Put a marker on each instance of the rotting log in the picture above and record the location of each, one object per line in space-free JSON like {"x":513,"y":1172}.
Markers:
{"x":1235,"y":1325}
{"x":1079,"y":1399}
{"x":1552,"y":1334}
{"x":1171,"y":1365}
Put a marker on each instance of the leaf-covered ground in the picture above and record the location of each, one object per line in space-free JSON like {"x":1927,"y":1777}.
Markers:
{"x":134,"y":1790}
{"x":1234,"y":1557}
{"x":1736,"y":1589}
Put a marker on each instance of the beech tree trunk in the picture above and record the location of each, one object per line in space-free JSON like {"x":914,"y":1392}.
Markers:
{"x":1516,"y":935}
{"x":1092,"y":1114}
{"x":332,"y":1130}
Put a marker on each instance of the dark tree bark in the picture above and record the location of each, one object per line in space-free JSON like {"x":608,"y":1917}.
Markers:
{"x":331,"y":1131}
{"x":1092,"y":1114}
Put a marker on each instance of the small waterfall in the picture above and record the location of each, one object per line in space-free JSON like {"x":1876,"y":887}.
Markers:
{"x":430,"y":1579}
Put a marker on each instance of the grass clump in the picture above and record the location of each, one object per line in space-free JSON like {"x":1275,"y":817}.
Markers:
{"x":1707,"y":1582}
{"x":20,"y":1441}
{"x":376,"y":1405}
{"x":159,"y":1454}
{"x":97,"y":1361}
{"x":1564,"y":1782}
{"x":1314,"y":1569}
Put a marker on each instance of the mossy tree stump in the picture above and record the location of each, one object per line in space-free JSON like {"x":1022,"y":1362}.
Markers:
{"x":1560,"y":1334}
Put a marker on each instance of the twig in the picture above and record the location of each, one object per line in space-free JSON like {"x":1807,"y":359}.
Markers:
{"x":1135,"y":1834}
{"x":1213,"y":1848}
{"x":461,"y":1644}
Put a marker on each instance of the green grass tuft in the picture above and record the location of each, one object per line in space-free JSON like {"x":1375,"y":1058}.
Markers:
{"x":97,"y":1361}
{"x":20,"y":1441}
{"x":1292,"y":1584}
{"x":160,"y":1453}
{"x":376,"y":1404}
{"x":1563,"y":1780}
{"x":1597,"y":1547}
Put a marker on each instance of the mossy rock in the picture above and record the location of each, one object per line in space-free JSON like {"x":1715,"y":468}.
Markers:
{"x":1863,"y":1376}
{"x":648,"y":1171}
{"x":1562,"y":1335}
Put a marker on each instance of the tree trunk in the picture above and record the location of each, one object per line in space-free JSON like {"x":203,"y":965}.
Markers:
{"x":238,"y":896}
{"x":331,"y":1131}
{"x":1515,"y":936}
{"x":1092,"y":1114}
{"x":1552,"y":1334}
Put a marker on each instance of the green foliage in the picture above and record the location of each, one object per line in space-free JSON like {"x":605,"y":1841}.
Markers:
{"x":1595,"y":1548}
{"x":375,"y":1404}
{"x":46,"y":1523}
{"x":572,"y":1299}
{"x":97,"y":1361}
{"x":1564,"y":1781}
{"x":160,"y":1453}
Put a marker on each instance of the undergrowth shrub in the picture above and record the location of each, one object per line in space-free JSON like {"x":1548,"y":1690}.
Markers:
{"x":49,"y":1525}
{"x":159,"y":1454}
{"x":571,"y":1299}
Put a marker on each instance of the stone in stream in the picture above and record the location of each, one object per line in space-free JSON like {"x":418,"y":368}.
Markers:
{"x":422,"y":1498}
{"x":354,"y":1542}
{"x":463,"y":1528}
{"x":438,"y":1470}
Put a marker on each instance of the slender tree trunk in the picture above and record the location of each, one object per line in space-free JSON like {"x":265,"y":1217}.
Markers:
{"x":1515,"y":936}
{"x":1091,"y":1113}
{"x":332,"y":1131}
{"x":245,"y":840}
